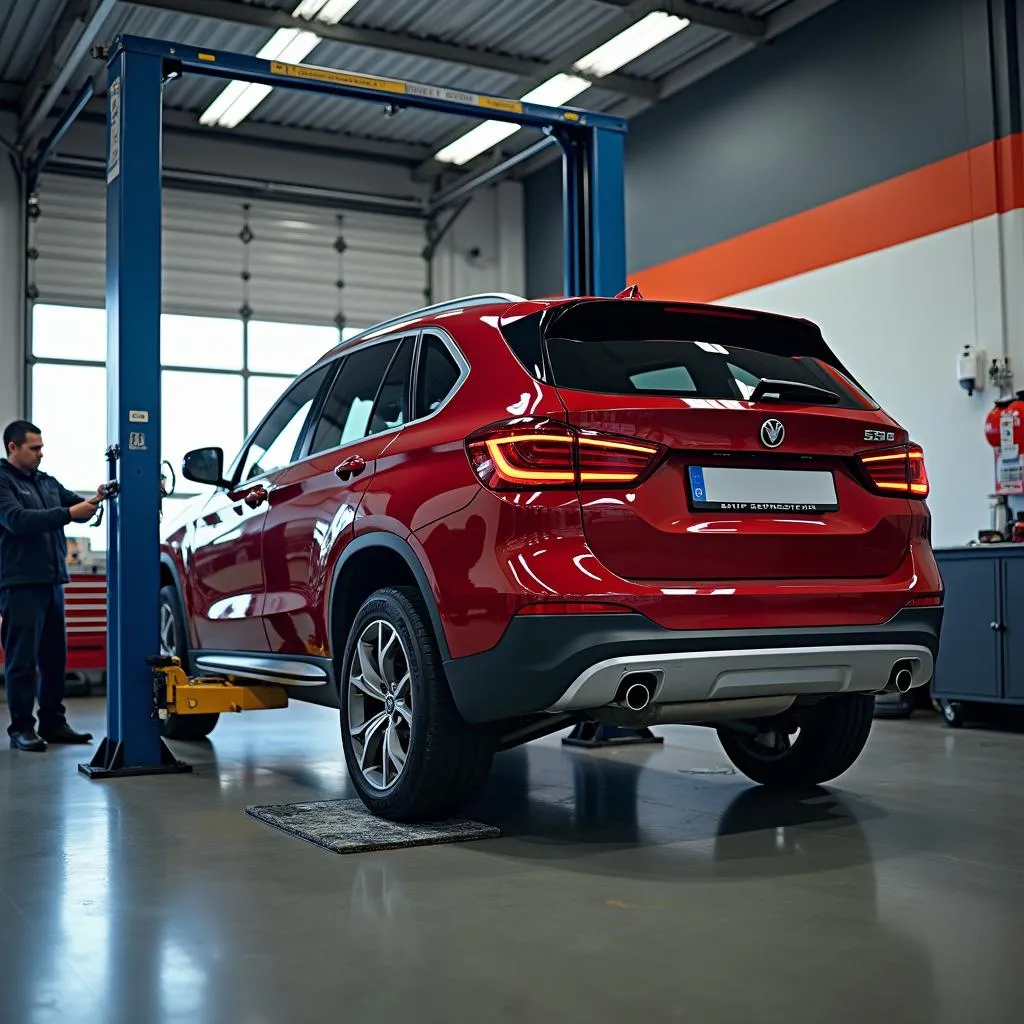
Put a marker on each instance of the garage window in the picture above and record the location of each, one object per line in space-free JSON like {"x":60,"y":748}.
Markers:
{"x":234,"y":372}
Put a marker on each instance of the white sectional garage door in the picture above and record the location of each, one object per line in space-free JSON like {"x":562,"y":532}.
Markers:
{"x":292,"y":257}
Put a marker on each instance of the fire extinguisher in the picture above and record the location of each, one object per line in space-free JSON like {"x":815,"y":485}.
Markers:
{"x":1004,"y":431}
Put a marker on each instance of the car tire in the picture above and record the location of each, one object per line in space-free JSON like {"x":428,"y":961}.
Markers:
{"x":397,"y":711}
{"x":832,"y":733}
{"x":172,"y":643}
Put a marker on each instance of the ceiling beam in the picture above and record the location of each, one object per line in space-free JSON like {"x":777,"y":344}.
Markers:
{"x":297,"y":141}
{"x":59,"y":58}
{"x":723,"y":18}
{"x":377,"y":39}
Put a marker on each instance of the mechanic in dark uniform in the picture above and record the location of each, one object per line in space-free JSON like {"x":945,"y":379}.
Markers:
{"x":34,"y":509}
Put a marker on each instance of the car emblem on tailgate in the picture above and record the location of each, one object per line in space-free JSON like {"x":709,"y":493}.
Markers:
{"x":772,"y":433}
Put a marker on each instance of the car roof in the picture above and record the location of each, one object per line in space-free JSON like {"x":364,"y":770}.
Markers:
{"x":503,"y":307}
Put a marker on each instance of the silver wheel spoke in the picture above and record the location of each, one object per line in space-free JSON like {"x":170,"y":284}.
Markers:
{"x":369,"y":726}
{"x":370,"y":689}
{"x":402,"y":685}
{"x":393,"y":749}
{"x":369,"y":671}
{"x":382,"y":650}
{"x":373,"y":737}
{"x":380,"y":704}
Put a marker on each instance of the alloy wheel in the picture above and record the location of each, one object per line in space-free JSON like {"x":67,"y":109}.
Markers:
{"x":380,"y":704}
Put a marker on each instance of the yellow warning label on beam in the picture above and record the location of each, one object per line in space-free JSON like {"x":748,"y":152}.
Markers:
{"x":510,"y":106}
{"x":207,"y":57}
{"x":337,"y":77}
{"x":395,"y":87}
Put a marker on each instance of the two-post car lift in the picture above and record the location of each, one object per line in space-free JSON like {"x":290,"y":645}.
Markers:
{"x":592,"y":148}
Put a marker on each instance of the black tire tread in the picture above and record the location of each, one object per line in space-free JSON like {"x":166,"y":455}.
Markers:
{"x":453,"y":764}
{"x":833,"y":734}
{"x":183,"y":727}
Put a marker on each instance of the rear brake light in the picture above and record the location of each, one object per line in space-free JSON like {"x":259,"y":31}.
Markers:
{"x":898,"y":471}
{"x":541,"y":455}
{"x":931,"y":601}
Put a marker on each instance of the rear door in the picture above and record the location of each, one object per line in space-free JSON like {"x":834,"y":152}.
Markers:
{"x":224,"y":564}
{"x":748,"y":489}
{"x":313,"y":505}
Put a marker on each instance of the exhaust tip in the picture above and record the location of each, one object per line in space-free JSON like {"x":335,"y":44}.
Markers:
{"x":636,"y":691}
{"x":903,"y":679}
{"x":638,"y":696}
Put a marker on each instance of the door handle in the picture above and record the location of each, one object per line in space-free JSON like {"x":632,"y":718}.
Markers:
{"x":352,"y":466}
{"x":255,"y":497}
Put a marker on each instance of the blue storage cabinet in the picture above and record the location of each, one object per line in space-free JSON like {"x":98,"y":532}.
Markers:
{"x":981,"y":652}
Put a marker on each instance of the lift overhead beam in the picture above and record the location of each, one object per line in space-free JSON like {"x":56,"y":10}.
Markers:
{"x":378,"y":39}
{"x":592,"y":148}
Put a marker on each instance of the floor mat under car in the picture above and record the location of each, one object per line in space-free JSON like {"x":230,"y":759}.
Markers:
{"x":346,"y":826}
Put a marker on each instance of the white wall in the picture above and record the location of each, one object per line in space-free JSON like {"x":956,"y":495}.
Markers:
{"x":12,"y":372}
{"x":898,"y":319}
{"x":493,"y":224}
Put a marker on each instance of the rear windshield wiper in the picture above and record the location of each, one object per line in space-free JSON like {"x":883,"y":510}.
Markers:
{"x":792,"y":391}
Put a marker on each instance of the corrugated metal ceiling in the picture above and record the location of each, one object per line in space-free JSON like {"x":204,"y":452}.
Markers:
{"x":535,"y":29}
{"x":24,"y":24}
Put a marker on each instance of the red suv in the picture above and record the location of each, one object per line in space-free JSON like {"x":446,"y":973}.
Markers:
{"x":493,"y":519}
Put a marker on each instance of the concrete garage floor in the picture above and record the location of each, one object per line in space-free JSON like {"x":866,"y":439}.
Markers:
{"x":644,"y":884}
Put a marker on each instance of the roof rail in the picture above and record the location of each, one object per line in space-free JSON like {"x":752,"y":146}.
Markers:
{"x":483,"y":299}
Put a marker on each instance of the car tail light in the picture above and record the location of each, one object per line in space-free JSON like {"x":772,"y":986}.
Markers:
{"x":541,"y":455}
{"x":898,"y":471}
{"x":931,"y":601}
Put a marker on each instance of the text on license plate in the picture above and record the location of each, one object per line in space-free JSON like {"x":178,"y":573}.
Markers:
{"x":731,"y":489}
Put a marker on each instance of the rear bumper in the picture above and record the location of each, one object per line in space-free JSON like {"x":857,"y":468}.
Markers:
{"x":575,"y":662}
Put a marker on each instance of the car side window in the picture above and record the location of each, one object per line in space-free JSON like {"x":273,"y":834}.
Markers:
{"x":392,"y":406}
{"x":346,"y":412}
{"x":276,"y":442}
{"x":438,"y":373}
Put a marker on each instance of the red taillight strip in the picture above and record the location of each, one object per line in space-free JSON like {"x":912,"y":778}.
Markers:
{"x":910,"y":460}
{"x":506,"y":469}
{"x":543,"y":453}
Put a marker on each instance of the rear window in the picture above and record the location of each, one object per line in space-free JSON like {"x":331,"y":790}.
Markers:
{"x":642,"y":348}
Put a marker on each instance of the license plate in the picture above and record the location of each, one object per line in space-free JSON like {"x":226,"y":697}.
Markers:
{"x":730,"y":489}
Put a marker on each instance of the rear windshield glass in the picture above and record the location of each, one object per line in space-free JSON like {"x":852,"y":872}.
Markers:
{"x":689,"y":369}
{"x":633,"y":348}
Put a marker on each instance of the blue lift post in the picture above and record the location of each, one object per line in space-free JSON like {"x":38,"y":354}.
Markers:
{"x":592,"y":147}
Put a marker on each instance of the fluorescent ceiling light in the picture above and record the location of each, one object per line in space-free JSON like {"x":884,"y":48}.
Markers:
{"x":476,"y":141}
{"x":235,"y":105}
{"x":557,"y":91}
{"x":552,"y":93}
{"x":334,"y":10}
{"x":290,"y":45}
{"x":631,"y":43}
{"x":330,"y":12}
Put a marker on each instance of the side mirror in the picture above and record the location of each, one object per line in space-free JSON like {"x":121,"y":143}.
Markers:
{"x":204,"y":466}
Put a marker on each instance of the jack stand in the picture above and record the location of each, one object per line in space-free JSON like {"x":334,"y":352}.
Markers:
{"x":598,"y":734}
{"x":108,"y":763}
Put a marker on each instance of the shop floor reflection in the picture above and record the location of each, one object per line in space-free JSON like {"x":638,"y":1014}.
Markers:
{"x":641,"y":881}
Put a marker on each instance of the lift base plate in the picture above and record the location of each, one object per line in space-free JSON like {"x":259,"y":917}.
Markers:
{"x":108,"y":763}
{"x":597,"y":734}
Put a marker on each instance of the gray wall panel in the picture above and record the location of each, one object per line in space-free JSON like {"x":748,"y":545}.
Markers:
{"x":863,"y":92}
{"x":542,"y":199}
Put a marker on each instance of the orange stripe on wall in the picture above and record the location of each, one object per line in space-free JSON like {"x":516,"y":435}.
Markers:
{"x":947,"y":194}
